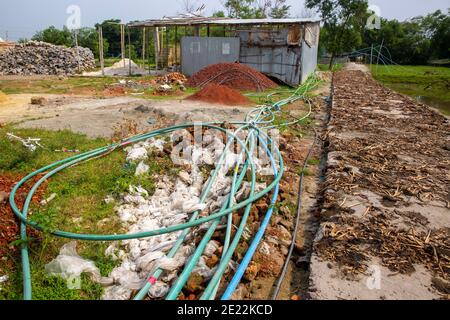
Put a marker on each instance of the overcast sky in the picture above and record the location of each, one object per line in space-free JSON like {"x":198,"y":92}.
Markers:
{"x":22,"y":18}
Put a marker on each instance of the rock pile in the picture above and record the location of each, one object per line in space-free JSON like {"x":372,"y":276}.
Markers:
{"x":46,"y":59}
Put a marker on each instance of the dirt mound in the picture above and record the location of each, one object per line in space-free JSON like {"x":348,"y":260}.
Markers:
{"x":216,"y":93}
{"x":234,"y":75}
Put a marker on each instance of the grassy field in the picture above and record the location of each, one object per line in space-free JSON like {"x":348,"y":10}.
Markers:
{"x":430,"y":84}
{"x":78,"y":207}
{"x":91,"y":86}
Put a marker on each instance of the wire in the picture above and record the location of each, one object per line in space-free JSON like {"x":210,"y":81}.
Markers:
{"x":297,"y":223}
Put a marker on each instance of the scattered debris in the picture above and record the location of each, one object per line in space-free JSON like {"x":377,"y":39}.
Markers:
{"x":36,"y":57}
{"x":69,"y":265}
{"x":141,"y":169}
{"x":30,"y":143}
{"x":172,"y":78}
{"x":389,"y":157}
{"x":41,"y":101}
{"x":164,"y":88}
{"x":65,"y":150}
{"x":47,"y":201}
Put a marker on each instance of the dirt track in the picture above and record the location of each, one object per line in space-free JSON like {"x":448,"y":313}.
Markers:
{"x":385,"y":220}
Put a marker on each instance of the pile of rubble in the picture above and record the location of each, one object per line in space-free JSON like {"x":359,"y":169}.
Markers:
{"x":45,"y":59}
{"x":172,"y":78}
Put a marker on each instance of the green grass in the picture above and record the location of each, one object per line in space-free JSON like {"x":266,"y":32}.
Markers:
{"x":269,"y":96}
{"x":78,"y":207}
{"x":313,"y":162}
{"x":80,"y":85}
{"x":433,"y":83}
{"x":325,"y":67}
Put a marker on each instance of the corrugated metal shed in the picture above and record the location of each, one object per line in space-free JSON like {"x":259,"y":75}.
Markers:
{"x":199,"y":52}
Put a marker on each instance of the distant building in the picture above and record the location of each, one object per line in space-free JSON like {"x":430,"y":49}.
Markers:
{"x":285,"y":49}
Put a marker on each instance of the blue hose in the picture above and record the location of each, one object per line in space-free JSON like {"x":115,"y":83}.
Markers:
{"x":256,"y":240}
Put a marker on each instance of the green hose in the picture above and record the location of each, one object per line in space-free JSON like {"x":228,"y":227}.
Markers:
{"x":262,"y":115}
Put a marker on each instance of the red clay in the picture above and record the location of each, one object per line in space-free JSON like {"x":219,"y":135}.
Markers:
{"x":234,"y":75}
{"x":216,"y":93}
{"x":9,"y":224}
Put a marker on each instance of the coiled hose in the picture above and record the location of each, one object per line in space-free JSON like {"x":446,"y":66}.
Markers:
{"x":259,"y":118}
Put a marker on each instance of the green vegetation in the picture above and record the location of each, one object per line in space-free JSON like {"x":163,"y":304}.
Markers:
{"x":324,"y":67}
{"x":56,"y":86}
{"x":78,"y":207}
{"x":432,"y":83}
{"x":344,"y":21}
{"x":80,"y":85}
{"x":413,"y":42}
{"x":247,"y":9}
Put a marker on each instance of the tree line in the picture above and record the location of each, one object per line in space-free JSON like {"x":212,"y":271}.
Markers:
{"x":415,"y":41}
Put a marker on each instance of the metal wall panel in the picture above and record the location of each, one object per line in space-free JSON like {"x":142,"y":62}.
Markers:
{"x":269,"y":53}
{"x":199,"y":52}
{"x":309,"y":60}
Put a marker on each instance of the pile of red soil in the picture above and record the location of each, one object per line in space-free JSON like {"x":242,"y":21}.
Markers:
{"x":9,"y":224}
{"x":216,"y":93}
{"x":234,"y":75}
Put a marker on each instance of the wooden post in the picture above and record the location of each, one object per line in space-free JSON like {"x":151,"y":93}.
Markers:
{"x":167,"y":45}
{"x":129,"y":51}
{"x":78,"y":52}
{"x":100,"y":46}
{"x":143,"y":48}
{"x":122,"y":42}
{"x":156,"y":44}
{"x":176,"y":45}
{"x":208,"y":30}
{"x":371,"y":55}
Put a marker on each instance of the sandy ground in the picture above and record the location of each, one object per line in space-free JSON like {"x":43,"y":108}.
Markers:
{"x":385,"y":220}
{"x":97,"y":117}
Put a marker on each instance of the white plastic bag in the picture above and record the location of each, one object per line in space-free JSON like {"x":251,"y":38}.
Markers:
{"x":69,"y":265}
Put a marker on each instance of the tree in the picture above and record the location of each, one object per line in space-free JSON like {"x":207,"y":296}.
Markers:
{"x":88,"y":38}
{"x":279,"y":10}
{"x":436,"y":27}
{"x":343,"y":21}
{"x":55,"y":36}
{"x":247,"y":9}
